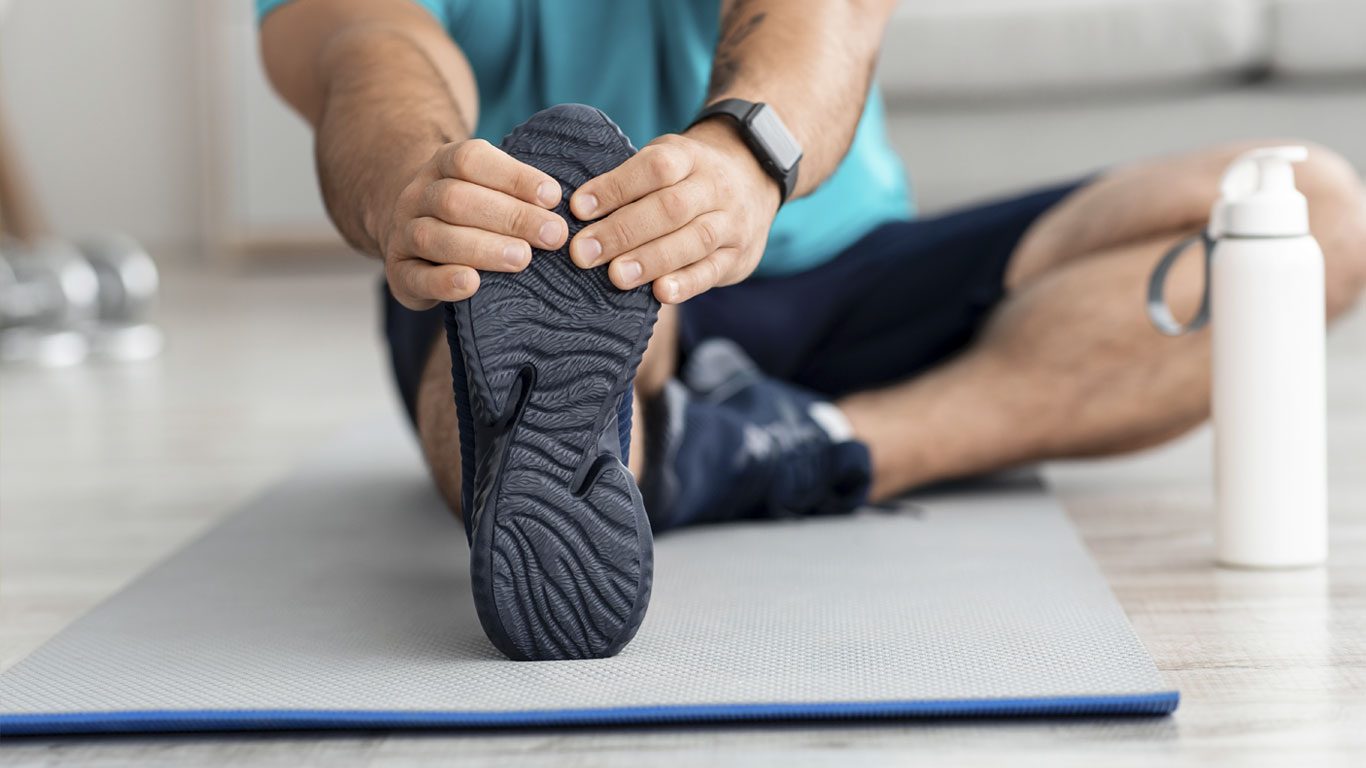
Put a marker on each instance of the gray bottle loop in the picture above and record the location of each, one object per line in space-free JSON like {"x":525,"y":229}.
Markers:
{"x":1158,"y":311}
{"x":1262,"y":313}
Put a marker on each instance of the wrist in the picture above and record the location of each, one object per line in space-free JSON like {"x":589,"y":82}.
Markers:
{"x":378,"y":217}
{"x":721,"y":133}
{"x":382,"y":209}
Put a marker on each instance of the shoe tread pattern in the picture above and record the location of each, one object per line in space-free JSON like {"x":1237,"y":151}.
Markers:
{"x":557,"y":575}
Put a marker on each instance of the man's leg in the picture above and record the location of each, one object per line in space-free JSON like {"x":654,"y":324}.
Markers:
{"x":438,"y":427}
{"x":439,"y":432}
{"x":1068,"y":364}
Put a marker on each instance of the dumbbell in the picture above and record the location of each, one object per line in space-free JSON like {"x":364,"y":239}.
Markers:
{"x":128,"y":285}
{"x":128,"y":279}
{"x":52,"y":286}
{"x":59,"y":303}
{"x":48,"y":291}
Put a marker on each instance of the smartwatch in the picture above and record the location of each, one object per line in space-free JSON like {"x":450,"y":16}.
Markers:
{"x":765,"y":135}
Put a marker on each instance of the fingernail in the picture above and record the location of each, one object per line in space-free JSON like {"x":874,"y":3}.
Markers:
{"x":588,"y":205}
{"x":549,"y":231}
{"x":460,"y":280}
{"x":548,"y":193}
{"x":513,"y":254}
{"x":668,"y":287}
{"x":630,"y":271}
{"x":589,"y":251}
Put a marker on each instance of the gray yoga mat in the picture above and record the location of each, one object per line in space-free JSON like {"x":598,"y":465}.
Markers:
{"x":341,"y":599}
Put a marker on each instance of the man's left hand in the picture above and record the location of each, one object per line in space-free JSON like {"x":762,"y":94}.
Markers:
{"x":689,"y":212}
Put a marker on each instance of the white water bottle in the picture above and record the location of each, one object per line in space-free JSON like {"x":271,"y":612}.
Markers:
{"x":1264,"y":299}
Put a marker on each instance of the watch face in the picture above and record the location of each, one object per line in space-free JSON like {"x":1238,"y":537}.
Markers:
{"x":769,"y":131}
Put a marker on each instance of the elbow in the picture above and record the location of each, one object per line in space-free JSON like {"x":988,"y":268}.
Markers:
{"x":290,"y":69}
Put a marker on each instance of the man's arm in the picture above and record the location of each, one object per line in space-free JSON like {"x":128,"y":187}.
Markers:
{"x":393,"y":103}
{"x":812,"y":62}
{"x":693,"y":211}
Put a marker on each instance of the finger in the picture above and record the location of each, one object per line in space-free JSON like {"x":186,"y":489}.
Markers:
{"x":633,"y":225}
{"x":695,"y":278}
{"x":656,"y":166}
{"x":419,"y":284}
{"x":442,"y":243}
{"x":467,"y":204}
{"x":676,"y":250}
{"x":481,"y":163}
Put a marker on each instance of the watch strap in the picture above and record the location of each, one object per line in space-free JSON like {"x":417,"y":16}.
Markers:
{"x":736,"y":108}
{"x":740,"y":111}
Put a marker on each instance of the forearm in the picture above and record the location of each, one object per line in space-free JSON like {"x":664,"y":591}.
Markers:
{"x":812,"y":62}
{"x":383,"y":86}
{"x":386,"y":109}
{"x":393,"y":101}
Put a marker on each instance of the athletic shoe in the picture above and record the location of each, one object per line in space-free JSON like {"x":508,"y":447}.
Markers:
{"x":561,"y":555}
{"x":727,"y":442}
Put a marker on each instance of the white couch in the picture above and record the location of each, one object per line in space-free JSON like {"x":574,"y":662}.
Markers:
{"x":990,"y":95}
{"x":984,"y":96}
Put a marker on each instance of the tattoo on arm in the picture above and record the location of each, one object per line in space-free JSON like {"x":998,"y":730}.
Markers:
{"x":811,"y":61}
{"x":737,"y":24}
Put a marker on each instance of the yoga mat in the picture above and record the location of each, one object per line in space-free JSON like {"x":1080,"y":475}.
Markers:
{"x":341,"y":599}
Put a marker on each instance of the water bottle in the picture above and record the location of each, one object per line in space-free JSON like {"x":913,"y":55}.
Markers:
{"x":1264,"y":301}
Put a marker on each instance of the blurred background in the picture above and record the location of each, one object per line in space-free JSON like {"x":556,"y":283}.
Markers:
{"x":153,"y":117}
{"x":203,"y":327}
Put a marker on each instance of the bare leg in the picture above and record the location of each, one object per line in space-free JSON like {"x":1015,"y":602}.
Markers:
{"x":438,"y":428}
{"x":656,"y":367}
{"x":1068,"y":365}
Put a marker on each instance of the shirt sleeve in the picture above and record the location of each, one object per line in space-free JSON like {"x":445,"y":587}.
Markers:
{"x":436,"y":7}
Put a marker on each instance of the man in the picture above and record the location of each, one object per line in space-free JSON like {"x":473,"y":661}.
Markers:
{"x":817,"y":346}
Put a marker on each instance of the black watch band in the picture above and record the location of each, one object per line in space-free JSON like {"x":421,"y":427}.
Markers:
{"x":765,"y":135}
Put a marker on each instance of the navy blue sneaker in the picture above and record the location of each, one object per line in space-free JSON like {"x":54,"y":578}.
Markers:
{"x":561,"y":556}
{"x":727,"y":442}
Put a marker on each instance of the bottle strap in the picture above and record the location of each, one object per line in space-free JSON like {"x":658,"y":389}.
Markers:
{"x":1158,"y":312}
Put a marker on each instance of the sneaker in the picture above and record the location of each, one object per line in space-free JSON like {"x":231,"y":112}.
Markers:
{"x":561,"y":556}
{"x":727,"y":442}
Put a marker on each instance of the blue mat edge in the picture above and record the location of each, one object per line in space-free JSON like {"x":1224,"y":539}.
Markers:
{"x":141,"y":721}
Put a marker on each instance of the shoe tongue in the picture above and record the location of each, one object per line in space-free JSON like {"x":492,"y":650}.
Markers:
{"x":717,"y":368}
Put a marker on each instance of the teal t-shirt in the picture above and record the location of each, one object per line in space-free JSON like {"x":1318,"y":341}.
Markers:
{"x":646,"y":64}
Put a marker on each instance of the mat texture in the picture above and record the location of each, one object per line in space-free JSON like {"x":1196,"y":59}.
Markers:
{"x":342,"y":599}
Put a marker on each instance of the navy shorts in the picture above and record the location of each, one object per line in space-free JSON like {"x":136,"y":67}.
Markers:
{"x":899,"y":300}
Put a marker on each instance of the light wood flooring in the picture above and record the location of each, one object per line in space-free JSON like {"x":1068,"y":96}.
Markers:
{"x":105,"y":469}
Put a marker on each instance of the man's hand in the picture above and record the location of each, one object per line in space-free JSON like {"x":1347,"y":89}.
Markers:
{"x":471,"y":207}
{"x":689,"y":212}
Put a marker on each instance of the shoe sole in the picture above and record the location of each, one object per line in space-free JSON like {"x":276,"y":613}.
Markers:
{"x":561,"y":550}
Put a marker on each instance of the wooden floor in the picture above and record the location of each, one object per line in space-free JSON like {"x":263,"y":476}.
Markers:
{"x":105,"y":469}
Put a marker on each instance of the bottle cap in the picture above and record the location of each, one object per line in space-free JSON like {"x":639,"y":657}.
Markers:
{"x":1258,"y":197}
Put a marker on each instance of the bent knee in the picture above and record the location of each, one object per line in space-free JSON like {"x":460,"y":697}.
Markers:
{"x":1337,"y":219}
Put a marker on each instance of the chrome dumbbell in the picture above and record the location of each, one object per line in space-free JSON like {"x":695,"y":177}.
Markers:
{"x":128,"y":286}
{"x":48,"y":293}
{"x":128,"y":278}
{"x":60,"y":303}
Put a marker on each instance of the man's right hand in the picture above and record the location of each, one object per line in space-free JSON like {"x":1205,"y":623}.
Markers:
{"x":471,"y":207}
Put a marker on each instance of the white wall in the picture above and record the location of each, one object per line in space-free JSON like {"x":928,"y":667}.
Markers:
{"x":260,"y":178}
{"x":153,"y":117}
{"x":100,"y":97}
